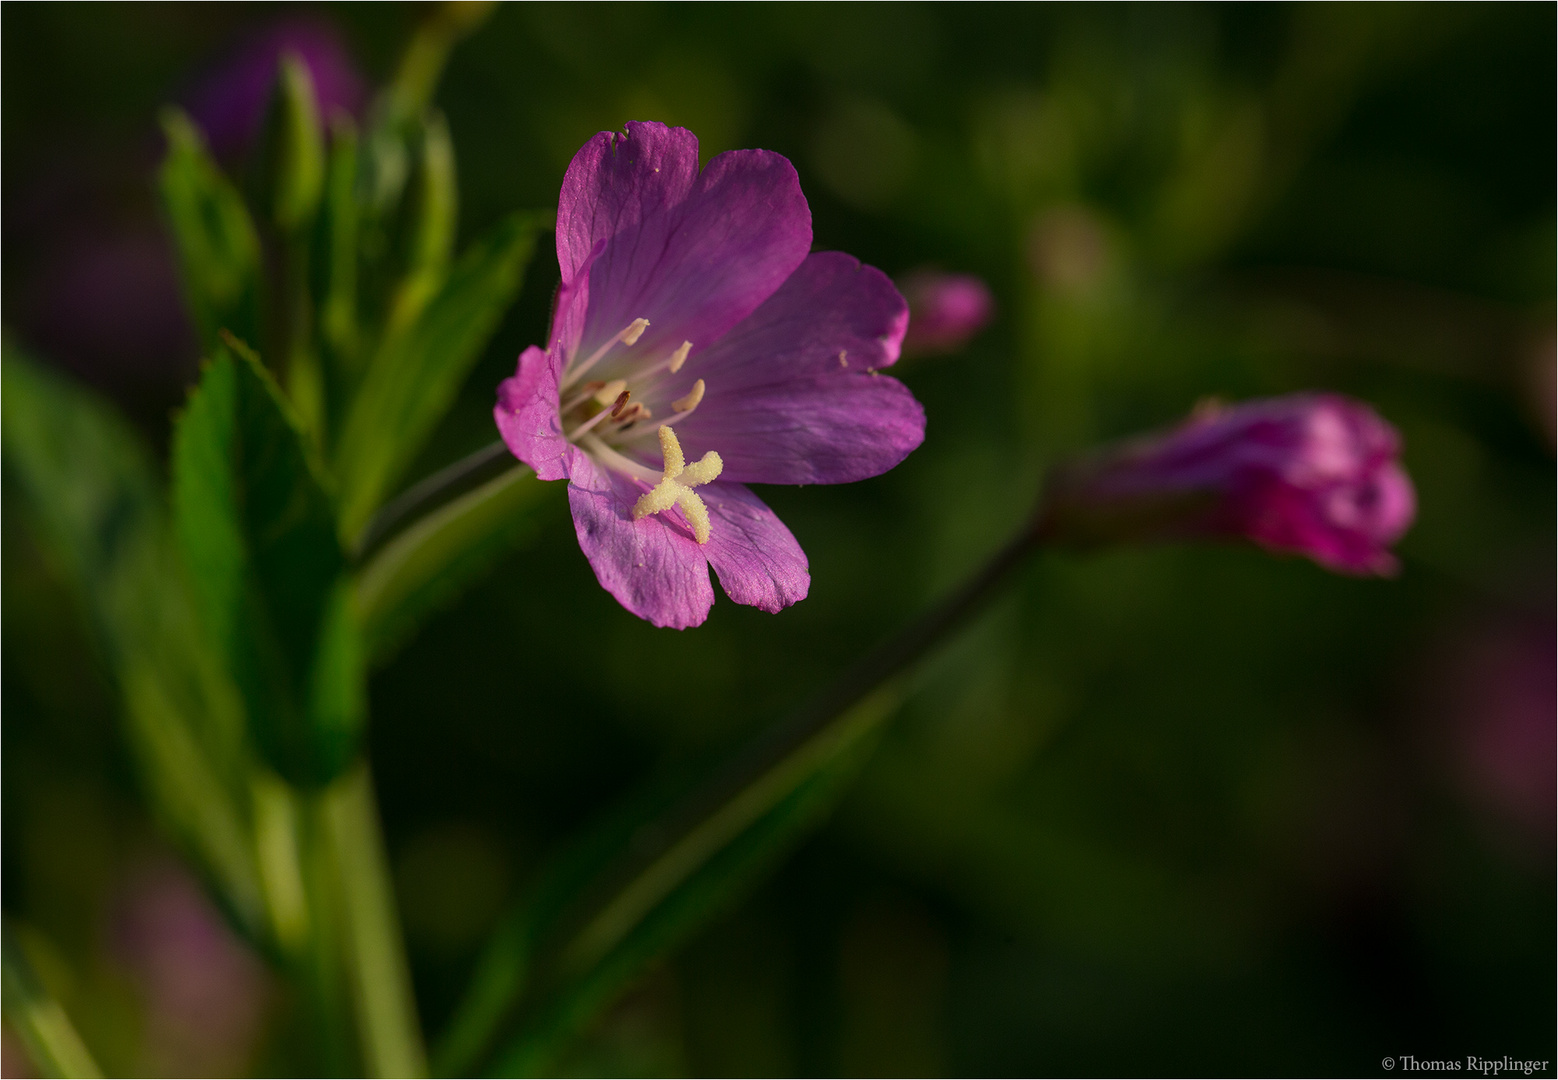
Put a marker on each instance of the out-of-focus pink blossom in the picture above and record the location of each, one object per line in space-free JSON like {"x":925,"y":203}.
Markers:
{"x":107,"y":306}
{"x":1495,"y":688}
{"x":229,"y":104}
{"x":204,"y":992}
{"x":945,"y":311}
{"x":1314,"y":474}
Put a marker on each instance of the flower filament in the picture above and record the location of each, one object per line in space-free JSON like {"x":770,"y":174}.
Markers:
{"x":602,"y":417}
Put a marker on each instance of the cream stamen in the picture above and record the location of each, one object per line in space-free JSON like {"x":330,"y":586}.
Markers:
{"x":603,"y":393}
{"x":679,"y":357}
{"x":613,"y":413}
{"x":673,"y":363}
{"x":690,"y":402}
{"x":628,"y":335}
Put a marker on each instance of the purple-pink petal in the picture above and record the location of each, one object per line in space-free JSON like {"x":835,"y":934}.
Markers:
{"x":792,"y":395}
{"x":757,"y":558}
{"x":526,"y":414}
{"x":618,"y":181}
{"x":833,"y":304}
{"x":692,"y":252}
{"x":652,"y":566}
{"x":827,"y":429}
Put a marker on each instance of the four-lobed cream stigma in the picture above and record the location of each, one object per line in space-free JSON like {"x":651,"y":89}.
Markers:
{"x":676,"y":486}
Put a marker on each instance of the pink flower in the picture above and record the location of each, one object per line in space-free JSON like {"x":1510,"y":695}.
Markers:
{"x":698,"y":347}
{"x":229,"y":104}
{"x":1315,"y":474}
{"x":204,"y":992}
{"x":1493,"y":687}
{"x":945,"y":310}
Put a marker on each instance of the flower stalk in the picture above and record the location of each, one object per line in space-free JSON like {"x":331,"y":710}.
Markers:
{"x":378,"y":975}
{"x":637,"y":906}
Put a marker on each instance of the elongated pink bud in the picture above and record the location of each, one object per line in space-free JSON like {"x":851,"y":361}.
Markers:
{"x":1314,"y":474}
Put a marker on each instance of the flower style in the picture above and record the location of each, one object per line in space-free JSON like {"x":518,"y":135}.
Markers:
{"x":696,"y":347}
{"x":1315,"y":474}
{"x":945,"y":311}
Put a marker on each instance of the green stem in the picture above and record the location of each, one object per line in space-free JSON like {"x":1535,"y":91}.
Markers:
{"x":775,"y":766}
{"x":832,"y":734}
{"x":427,"y":495}
{"x":318,"y":957}
{"x":376,"y":968}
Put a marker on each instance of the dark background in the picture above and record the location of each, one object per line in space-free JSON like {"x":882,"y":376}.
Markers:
{"x":1161,"y":811}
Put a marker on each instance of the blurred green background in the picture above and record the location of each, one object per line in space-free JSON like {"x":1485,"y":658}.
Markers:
{"x":1160,"y":811}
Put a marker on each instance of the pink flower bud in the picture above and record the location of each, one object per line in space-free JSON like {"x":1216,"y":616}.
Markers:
{"x":1315,"y":474}
{"x":945,"y":310}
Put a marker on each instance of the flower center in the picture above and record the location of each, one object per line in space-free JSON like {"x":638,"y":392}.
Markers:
{"x":603,"y":418}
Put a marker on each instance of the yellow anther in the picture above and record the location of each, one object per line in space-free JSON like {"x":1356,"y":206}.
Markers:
{"x":679,"y":357}
{"x":690,"y":402}
{"x":628,"y":335}
{"x":634,"y":331}
{"x":676,"y":486}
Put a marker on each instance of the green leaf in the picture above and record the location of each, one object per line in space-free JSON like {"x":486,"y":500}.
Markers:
{"x":442,"y":553}
{"x":557,"y":963}
{"x":432,"y":223}
{"x":406,"y":245}
{"x":300,"y":159}
{"x":257,"y":529}
{"x":414,"y":380}
{"x":93,"y":500}
{"x":53,"y":1045}
{"x":335,"y":270}
{"x":401,"y":104}
{"x":218,"y":249}
{"x":293,"y":170}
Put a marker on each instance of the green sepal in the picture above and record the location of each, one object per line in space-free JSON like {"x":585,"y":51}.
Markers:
{"x":218,"y":248}
{"x":257,"y":529}
{"x":298,"y":149}
{"x":335,"y":253}
{"x":415,"y":378}
{"x":407,"y":250}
